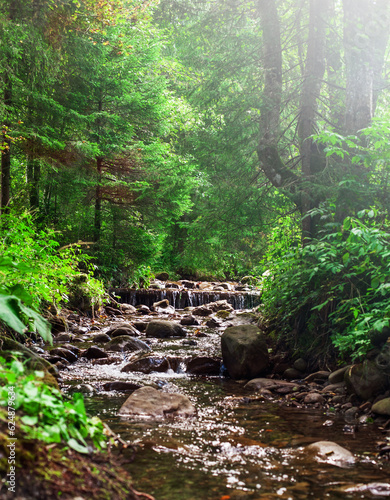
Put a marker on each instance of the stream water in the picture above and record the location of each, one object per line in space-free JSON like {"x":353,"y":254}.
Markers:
{"x":239,"y":445}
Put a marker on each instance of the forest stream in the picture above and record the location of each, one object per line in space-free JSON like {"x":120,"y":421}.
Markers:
{"x":239,"y":445}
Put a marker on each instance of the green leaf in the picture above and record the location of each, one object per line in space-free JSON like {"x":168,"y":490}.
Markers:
{"x":375,"y":282}
{"x":77,"y":446}
{"x":10,"y":312}
{"x":29,"y":419}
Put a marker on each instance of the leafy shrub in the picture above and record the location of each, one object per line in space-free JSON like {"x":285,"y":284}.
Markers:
{"x":336,"y":287}
{"x":34,"y":268}
{"x":43,"y":412}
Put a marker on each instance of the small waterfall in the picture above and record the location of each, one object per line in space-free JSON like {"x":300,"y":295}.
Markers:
{"x":180,"y":299}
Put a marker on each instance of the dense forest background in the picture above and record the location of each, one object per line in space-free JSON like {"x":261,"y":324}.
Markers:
{"x":206,"y":139}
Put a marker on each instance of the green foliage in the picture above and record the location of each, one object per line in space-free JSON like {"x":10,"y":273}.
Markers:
{"x":43,"y":411}
{"x":34,"y":270}
{"x":337,"y":286}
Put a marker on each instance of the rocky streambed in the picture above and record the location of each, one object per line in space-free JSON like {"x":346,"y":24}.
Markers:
{"x":200,"y":428}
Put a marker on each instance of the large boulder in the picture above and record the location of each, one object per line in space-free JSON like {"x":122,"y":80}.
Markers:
{"x":366,"y":380}
{"x":244,"y":352}
{"x":150,"y":402}
{"x":382,"y":407}
{"x":163,"y":329}
{"x":125,"y":343}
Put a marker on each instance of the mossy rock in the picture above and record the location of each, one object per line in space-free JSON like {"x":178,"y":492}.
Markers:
{"x":223,"y":314}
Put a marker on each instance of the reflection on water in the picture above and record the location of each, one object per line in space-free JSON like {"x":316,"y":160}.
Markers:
{"x":237,"y":447}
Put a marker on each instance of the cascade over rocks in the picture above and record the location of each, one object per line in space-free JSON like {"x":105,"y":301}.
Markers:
{"x":150,"y":402}
{"x":244,"y":352}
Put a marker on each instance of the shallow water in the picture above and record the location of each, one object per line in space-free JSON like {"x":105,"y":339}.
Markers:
{"x":238,"y":446}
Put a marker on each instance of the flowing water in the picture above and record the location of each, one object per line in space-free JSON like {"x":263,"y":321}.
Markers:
{"x":239,"y":445}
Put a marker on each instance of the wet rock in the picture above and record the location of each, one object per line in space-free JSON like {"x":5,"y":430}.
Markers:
{"x":163,"y":276}
{"x":123,"y":329}
{"x":121,"y":386}
{"x":55,"y":360}
{"x":300,"y":364}
{"x":140,"y":325}
{"x":350,"y":414}
{"x":204,"y":365}
{"x":94,"y":352}
{"x":147,"y":365}
{"x":244,"y":352}
{"x":107,"y":361}
{"x":382,"y":361}
{"x":63,"y":337}
{"x":338,"y":375}
{"x":128,"y":309}
{"x":339,"y":388}
{"x":320,"y":375}
{"x":292,"y":374}
{"x":172,"y":285}
{"x":162,"y":304}
{"x":188,"y":284}
{"x":270,"y":384}
{"x":213,"y":323}
{"x":164,"y":329}
{"x":337,"y":400}
{"x":382,"y":407}
{"x":142,"y":309}
{"x":314,"y":397}
{"x":153,"y":403}
{"x":64,"y":353}
{"x":222,"y":314}
{"x":202,"y":311}
{"x":189,"y":321}
{"x":101,"y":338}
{"x":245,"y":318}
{"x":221,"y":305}
{"x":113,"y":311}
{"x":331,"y":453}
{"x":366,"y":380}
{"x":126,"y":343}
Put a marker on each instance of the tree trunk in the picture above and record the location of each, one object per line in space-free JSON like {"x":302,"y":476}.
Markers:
{"x":6,"y":150}
{"x":33,"y":178}
{"x":98,"y":201}
{"x":366,"y":32}
{"x":311,"y":88}
{"x":267,"y":151}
